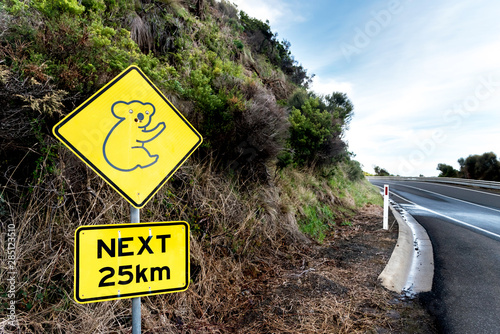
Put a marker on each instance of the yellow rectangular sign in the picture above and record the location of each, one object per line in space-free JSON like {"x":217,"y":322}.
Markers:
{"x":130,"y":260}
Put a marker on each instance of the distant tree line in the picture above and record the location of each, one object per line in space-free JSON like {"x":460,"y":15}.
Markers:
{"x":477,"y":167}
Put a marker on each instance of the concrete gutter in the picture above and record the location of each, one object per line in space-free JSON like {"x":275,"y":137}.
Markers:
{"x":410,"y":269}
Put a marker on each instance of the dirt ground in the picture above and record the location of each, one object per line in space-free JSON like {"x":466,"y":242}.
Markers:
{"x":331,"y":287}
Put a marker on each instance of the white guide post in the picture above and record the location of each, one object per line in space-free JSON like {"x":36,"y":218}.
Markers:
{"x":386,"y":207}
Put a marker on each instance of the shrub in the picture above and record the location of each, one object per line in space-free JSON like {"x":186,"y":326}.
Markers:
{"x":239,"y":45}
{"x":381,"y":171}
{"x":317,"y":127}
{"x":447,"y":170}
{"x":285,"y":159}
{"x":227,"y":9}
{"x":262,"y":128}
{"x":353,"y":170}
{"x":53,"y":8}
{"x":241,"y":122}
{"x":310,"y":129}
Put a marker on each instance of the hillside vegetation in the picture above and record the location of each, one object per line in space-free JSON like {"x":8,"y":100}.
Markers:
{"x":272,"y":175}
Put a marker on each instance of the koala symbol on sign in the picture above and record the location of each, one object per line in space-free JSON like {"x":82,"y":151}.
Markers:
{"x":131,"y":134}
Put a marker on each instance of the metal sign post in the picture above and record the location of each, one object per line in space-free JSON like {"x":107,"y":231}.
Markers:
{"x":136,"y":302}
{"x":386,"y":207}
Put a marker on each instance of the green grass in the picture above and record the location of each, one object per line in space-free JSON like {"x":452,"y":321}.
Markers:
{"x":316,"y":221}
{"x":363,"y":193}
{"x":322,"y":198}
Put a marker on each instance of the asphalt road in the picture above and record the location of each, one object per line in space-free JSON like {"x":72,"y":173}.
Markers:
{"x":464,"y":228}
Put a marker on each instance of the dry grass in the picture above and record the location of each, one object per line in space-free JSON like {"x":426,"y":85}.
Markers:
{"x":252,"y":270}
{"x":141,"y":34}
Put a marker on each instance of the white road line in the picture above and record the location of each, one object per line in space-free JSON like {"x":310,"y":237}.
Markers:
{"x":453,"y":198}
{"x":448,"y":217}
{"x":462,"y":188}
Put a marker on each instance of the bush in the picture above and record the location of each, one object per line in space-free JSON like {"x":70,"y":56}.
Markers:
{"x":447,"y":170}
{"x":318,"y":124}
{"x":242,"y":125}
{"x":263,"y":126}
{"x":353,"y":170}
{"x":381,"y":171}
{"x":227,"y":9}
{"x":285,"y":159}
{"x":53,"y":8}
{"x":310,"y":129}
{"x":239,"y":45}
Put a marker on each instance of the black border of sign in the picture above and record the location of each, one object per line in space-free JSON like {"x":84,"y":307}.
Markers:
{"x":126,"y":295}
{"x":98,"y":171}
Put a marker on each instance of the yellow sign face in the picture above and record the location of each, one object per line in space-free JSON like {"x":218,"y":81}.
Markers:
{"x":130,"y":260}
{"x":131,"y":135}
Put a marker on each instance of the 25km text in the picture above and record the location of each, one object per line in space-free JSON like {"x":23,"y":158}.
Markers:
{"x":126,"y":272}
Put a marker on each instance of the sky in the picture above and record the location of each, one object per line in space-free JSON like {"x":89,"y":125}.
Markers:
{"x":424,"y":76}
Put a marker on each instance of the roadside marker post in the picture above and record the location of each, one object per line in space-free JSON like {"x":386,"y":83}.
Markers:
{"x":386,"y":207}
{"x":132,"y":136}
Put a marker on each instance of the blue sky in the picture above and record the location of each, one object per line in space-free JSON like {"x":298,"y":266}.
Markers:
{"x":424,"y":76}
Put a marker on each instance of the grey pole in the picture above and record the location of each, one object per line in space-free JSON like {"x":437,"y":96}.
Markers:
{"x":136,"y":302}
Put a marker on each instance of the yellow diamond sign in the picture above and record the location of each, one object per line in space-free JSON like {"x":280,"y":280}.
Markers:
{"x":131,"y":135}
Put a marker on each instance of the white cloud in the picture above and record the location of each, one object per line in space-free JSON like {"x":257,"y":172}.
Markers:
{"x":279,"y":12}
{"x":329,"y":85}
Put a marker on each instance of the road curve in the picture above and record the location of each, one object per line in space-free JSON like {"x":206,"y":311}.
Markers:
{"x":464,"y":227}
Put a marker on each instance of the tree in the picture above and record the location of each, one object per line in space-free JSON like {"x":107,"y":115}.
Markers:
{"x":317,"y":125}
{"x":481,"y":167}
{"x":340,"y":106}
{"x":380,"y":171}
{"x":447,"y":170}
{"x":310,"y":128}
